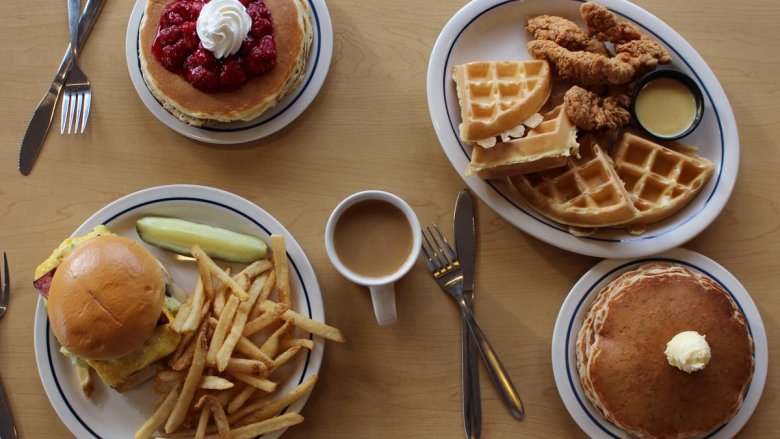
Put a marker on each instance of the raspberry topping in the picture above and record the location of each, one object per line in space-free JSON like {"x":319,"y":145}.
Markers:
{"x":178,"y":48}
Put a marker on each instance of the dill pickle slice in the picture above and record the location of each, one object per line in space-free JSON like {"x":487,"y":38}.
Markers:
{"x":178,"y":235}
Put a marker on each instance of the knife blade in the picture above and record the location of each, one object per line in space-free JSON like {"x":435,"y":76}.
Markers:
{"x":465,"y":244}
{"x":32,"y":142}
{"x":7,"y":427}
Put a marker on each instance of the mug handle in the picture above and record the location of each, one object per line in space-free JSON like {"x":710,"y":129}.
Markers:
{"x":383,"y":298}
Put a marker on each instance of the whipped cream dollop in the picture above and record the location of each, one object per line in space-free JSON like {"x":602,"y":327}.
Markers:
{"x":222,"y":26}
{"x":688,"y":351}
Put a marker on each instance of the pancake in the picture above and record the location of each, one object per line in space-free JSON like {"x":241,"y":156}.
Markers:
{"x":621,"y":361}
{"x":293,"y":36}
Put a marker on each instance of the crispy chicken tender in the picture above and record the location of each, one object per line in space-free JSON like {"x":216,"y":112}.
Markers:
{"x":564,"y":32}
{"x":591,"y":112}
{"x":582,"y":68}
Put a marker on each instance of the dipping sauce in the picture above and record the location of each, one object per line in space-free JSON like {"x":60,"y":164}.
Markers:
{"x":373,"y":238}
{"x":666,"y":107}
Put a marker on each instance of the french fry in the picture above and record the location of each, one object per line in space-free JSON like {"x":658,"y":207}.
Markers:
{"x":240,"y":398}
{"x":159,"y":416}
{"x":164,"y":387}
{"x":248,"y":348}
{"x":271,"y":345}
{"x":212,"y":382}
{"x":265,"y":319}
{"x":279,"y":251}
{"x":198,"y":299}
{"x":307,"y":324}
{"x":203,"y":422}
{"x":251,"y":367}
{"x":206,"y":281}
{"x":302,"y":342}
{"x":190,"y":384}
{"x":221,"y":330}
{"x":218,"y":413}
{"x":167,"y":375}
{"x":285,"y":357}
{"x":264,"y":409}
{"x":223,"y":355}
{"x":219,"y":273}
{"x":269,"y":286}
{"x":182,"y":315}
{"x":259,"y":428}
{"x":139,"y":377}
{"x":85,"y":378}
{"x":261,"y":383}
{"x":245,"y":276}
{"x":219,"y":296}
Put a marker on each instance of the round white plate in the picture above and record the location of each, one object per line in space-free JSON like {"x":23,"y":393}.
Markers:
{"x":495,"y":30}
{"x":109,"y":414}
{"x":581,"y":297}
{"x":275,"y":118}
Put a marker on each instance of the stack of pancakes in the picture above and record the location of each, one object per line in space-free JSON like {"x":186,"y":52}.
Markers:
{"x":621,"y":361}
{"x":293,"y":35}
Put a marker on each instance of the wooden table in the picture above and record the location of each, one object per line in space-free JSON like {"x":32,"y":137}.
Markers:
{"x":368,"y":128}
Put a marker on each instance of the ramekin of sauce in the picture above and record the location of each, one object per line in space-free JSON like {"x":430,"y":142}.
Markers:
{"x":667,"y":104}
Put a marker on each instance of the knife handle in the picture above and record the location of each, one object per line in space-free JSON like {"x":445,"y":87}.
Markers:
{"x":472,"y":404}
{"x":7,"y":427}
{"x":495,"y":369}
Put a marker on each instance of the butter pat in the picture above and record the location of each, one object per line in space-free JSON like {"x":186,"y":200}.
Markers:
{"x":688,"y":351}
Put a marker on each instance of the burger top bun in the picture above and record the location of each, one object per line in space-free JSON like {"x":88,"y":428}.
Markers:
{"x":106,"y":298}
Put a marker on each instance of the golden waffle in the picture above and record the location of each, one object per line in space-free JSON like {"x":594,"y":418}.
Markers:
{"x":621,"y":361}
{"x":585,"y":193}
{"x":496,"y":96}
{"x":544,"y":147}
{"x":659,"y":180}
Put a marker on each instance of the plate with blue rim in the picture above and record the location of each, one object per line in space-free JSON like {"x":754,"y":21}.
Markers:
{"x":109,"y":414}
{"x":273,"y":119}
{"x":579,"y":301}
{"x":490,"y":30}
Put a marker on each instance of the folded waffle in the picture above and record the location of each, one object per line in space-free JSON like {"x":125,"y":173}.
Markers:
{"x":621,"y":361}
{"x":293,"y":34}
{"x":659,"y":180}
{"x":586,"y":192}
{"x":497,"y":96}
{"x":546,"y":146}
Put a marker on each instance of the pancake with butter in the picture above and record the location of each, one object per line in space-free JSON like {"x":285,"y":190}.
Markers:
{"x":622,"y":365}
{"x":292,"y":33}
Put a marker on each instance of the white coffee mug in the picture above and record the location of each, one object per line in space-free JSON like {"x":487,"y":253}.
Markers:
{"x":382,"y":288}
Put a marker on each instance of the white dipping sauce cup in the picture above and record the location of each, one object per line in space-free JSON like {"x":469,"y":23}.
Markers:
{"x":382,"y":288}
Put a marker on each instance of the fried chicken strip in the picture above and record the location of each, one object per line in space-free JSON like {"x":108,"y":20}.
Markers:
{"x":582,"y":68}
{"x":565,"y":33}
{"x":641,"y":51}
{"x":591,"y":112}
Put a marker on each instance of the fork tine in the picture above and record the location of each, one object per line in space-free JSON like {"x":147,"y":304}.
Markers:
{"x":87,"y":103}
{"x":428,"y":259}
{"x":79,"y":103}
{"x":439,"y":247}
{"x":437,"y":262}
{"x":451,"y":252}
{"x":6,"y":278}
{"x":65,"y":106}
{"x":71,"y":108}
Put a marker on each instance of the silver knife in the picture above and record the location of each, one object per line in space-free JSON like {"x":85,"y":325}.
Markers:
{"x":7,"y":427}
{"x":44,"y":113}
{"x":465,"y":243}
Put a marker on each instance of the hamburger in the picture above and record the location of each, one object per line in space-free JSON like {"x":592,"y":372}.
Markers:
{"x":107,"y":306}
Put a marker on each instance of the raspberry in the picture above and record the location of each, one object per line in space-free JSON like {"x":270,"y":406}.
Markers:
{"x":201,"y":58}
{"x":232,"y":75}
{"x":261,"y":27}
{"x":202,"y":78}
{"x":189,"y":32}
{"x":169,"y":36}
{"x":262,"y":57}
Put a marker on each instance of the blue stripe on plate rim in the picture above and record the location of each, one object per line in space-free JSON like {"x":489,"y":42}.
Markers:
{"x":264,"y":121}
{"x":146,"y":203}
{"x":446,"y":82}
{"x":624,"y":267}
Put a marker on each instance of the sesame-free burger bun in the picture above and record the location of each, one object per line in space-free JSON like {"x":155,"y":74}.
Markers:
{"x":106,"y":298}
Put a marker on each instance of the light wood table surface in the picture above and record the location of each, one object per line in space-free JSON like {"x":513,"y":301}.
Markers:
{"x":368,"y":128}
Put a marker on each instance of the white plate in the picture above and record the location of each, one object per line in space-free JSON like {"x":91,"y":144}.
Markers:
{"x":495,"y":30}
{"x":274,"y":118}
{"x":109,"y":414}
{"x":576,"y":306}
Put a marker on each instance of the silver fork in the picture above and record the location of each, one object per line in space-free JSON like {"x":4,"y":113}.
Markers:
{"x":77,"y":94}
{"x":5,"y":296}
{"x":445,"y":267}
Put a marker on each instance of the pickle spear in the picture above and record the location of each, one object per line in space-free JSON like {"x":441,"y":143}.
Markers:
{"x":178,"y":235}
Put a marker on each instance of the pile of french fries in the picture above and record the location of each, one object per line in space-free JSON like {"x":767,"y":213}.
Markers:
{"x":236,"y":333}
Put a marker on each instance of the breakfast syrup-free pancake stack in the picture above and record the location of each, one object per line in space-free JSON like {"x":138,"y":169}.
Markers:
{"x":497,"y":96}
{"x":293,"y":34}
{"x":585,"y":193}
{"x":546,"y":146}
{"x":659,"y":180}
{"x":620,"y":353}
